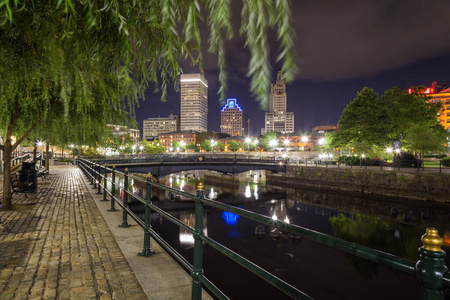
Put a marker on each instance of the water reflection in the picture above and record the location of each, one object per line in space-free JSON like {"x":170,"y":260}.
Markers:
{"x":391,"y":225}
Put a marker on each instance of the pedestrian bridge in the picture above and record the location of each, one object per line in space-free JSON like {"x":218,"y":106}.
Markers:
{"x":165,"y":164}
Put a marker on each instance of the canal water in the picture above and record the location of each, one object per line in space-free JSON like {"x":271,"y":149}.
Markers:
{"x":388,"y":224}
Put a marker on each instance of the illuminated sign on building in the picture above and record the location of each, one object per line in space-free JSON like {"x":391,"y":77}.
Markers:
{"x":231,"y":104}
{"x":422,"y":91}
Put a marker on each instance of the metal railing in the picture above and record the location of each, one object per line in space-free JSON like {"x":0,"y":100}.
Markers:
{"x":19,"y":160}
{"x":430,"y":271}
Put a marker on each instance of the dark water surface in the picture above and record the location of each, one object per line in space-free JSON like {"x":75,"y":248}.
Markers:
{"x":391,"y":225}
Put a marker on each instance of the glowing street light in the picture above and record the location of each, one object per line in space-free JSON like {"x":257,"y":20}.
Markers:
{"x":213,"y":143}
{"x":321,"y":141}
{"x":389,"y":150}
{"x":248,"y":141}
{"x":273,"y":144}
{"x":304,"y":139}
{"x":286,"y":143}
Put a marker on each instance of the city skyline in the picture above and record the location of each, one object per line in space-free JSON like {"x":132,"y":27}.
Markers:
{"x":341,"y":48}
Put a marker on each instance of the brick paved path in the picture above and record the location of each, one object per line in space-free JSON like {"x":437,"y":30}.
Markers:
{"x":56,"y":245}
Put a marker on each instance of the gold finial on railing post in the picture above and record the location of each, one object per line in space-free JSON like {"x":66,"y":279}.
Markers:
{"x":200,"y":187}
{"x":430,"y":268}
{"x":431,"y":240}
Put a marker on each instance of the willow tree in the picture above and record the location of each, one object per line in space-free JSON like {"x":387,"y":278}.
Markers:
{"x":68,"y":67}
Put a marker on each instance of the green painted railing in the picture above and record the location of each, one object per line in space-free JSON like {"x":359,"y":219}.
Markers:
{"x":430,"y":271}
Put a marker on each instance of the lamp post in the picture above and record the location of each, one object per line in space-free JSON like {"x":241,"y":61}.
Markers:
{"x":272,"y":144}
{"x":213,"y":143}
{"x":304,"y":140}
{"x":286,"y":143}
{"x":256,"y":142}
{"x":248,"y":141}
{"x":183,"y":144}
{"x":397,"y":151}
{"x":40,"y":144}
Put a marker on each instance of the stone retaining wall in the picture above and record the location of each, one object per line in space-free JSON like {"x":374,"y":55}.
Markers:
{"x":424,"y":186}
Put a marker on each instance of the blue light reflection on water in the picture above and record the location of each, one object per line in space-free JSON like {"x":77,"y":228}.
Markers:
{"x":230,"y":218}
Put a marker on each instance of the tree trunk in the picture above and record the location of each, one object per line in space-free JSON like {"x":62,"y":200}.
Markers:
{"x":7,"y":193}
{"x":47,"y":157}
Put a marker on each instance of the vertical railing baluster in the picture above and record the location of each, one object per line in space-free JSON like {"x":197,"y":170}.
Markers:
{"x":125,"y":202}
{"x":197,"y":271}
{"x":91,"y":169}
{"x":99,"y":178}
{"x":147,"y":251}
{"x":431,"y":268}
{"x":113,"y":190}
{"x":94,"y":172}
{"x":105,"y":182}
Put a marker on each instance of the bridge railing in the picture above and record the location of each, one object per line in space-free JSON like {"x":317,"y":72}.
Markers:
{"x":182,"y":157}
{"x":430,"y":271}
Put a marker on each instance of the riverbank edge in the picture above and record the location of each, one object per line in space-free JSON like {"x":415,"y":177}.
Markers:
{"x":418,"y":186}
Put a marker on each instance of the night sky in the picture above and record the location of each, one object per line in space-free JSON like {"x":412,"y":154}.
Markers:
{"x":342,"y":46}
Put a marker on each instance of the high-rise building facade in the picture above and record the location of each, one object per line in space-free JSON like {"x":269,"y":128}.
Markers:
{"x":439,"y":94}
{"x":233,"y":119}
{"x":194,"y":102}
{"x":278,"y":119}
{"x":152,"y":127}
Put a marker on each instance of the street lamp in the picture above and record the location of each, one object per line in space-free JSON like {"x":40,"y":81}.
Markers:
{"x":248,"y":141}
{"x":304,"y":140}
{"x":182,"y":144}
{"x":321,"y":141}
{"x":213,"y":143}
{"x":286,"y":143}
{"x":273,"y":144}
{"x":40,"y":144}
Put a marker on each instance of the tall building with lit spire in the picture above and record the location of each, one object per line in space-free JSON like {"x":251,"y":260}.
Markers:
{"x":194,"y":102}
{"x":278,"y":119}
{"x":233,"y":119}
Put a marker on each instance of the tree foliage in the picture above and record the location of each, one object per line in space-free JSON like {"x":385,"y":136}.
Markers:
{"x":264,"y":142}
{"x":370,"y":123}
{"x":72,"y":66}
{"x":234,"y":145}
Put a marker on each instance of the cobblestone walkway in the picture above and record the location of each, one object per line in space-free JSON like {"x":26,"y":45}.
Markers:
{"x":56,"y":245}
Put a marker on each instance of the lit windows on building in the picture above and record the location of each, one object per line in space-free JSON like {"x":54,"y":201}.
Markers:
{"x":278,"y":119}
{"x":194,"y":102}
{"x":233,"y":119}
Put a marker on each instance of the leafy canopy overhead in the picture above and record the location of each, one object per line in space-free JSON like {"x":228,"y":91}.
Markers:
{"x":142,"y":38}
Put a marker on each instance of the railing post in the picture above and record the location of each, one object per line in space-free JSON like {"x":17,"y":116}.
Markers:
{"x":197,"y":271}
{"x":113,"y":189}
{"x":440,"y":166}
{"x":91,"y":170}
{"x":99,"y":179}
{"x":94,"y":173}
{"x":147,"y":251}
{"x":125,"y":202}
{"x":431,"y":267}
{"x":105,"y":182}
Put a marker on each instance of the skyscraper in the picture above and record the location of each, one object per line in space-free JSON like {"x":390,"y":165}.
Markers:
{"x":233,"y":119}
{"x":278,"y":119}
{"x":194,"y":102}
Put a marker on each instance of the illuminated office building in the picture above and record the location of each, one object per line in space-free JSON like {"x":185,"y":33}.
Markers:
{"x":194,"y":103}
{"x":278,"y":119}
{"x":233,"y":119}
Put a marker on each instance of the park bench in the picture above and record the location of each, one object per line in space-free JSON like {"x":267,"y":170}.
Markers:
{"x":21,"y":183}
{"x":41,"y":172}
